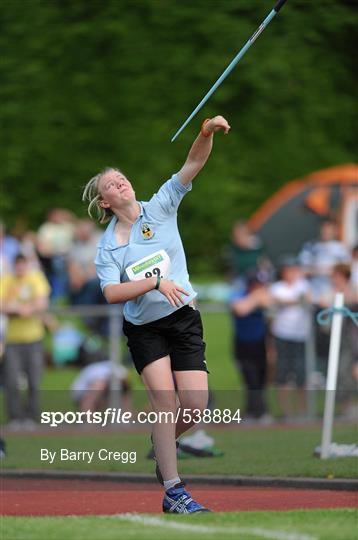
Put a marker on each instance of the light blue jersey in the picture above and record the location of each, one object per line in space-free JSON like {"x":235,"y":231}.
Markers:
{"x":154,"y":247}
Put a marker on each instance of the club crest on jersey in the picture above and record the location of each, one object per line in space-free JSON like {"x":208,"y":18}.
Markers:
{"x":147,"y":232}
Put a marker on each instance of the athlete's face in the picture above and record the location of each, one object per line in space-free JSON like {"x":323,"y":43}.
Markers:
{"x":115,"y":190}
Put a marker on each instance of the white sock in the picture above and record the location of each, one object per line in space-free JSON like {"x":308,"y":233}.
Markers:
{"x":168,"y":484}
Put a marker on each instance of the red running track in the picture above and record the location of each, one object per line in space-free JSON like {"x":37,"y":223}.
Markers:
{"x":47,"y":497}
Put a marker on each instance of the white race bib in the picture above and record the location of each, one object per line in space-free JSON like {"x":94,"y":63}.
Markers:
{"x":156,"y":264}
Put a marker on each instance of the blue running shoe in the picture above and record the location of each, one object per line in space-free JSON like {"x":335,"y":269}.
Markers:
{"x":178,"y":501}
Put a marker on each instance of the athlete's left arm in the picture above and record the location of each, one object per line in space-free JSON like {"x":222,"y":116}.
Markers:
{"x":200,"y":151}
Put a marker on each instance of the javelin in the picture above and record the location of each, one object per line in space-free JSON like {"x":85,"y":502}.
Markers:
{"x":233,"y":63}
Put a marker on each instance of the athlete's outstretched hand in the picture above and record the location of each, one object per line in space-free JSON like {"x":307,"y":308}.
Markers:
{"x":215,"y":124}
{"x":172,"y":292}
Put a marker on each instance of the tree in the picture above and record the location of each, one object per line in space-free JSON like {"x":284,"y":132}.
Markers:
{"x":90,"y":84}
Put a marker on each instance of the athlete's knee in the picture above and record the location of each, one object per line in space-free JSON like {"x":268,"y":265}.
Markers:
{"x":195,"y":399}
{"x":163,"y":400}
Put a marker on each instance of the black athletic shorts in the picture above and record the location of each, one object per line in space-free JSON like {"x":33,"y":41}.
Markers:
{"x":179,"y":335}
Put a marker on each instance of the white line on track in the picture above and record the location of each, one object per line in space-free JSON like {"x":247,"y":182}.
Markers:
{"x":249,"y":531}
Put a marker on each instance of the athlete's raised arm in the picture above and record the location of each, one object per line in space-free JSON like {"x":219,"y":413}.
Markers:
{"x":200,"y":151}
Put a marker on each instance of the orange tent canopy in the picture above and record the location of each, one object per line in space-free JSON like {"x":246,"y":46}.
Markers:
{"x":292,"y":216}
{"x":341,"y":174}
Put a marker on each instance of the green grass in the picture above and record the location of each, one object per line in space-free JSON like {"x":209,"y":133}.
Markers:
{"x":263,"y":452}
{"x":218,"y":338}
{"x":308,"y":524}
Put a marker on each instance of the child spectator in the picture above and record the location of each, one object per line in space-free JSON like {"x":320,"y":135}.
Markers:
{"x":290,"y":328}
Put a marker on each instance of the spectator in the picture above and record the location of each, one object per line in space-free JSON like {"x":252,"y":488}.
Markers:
{"x":354,"y":276}
{"x":54,"y":242}
{"x":90,"y":390}
{"x":9,"y":249}
{"x":242,"y":254}
{"x":27,"y":241}
{"x":24,"y":298}
{"x":2,"y":449}
{"x":28,"y":248}
{"x":3,"y":325}
{"x":290,"y":328}
{"x":3,"y":321}
{"x":347,"y":383}
{"x":319,"y":257}
{"x":250,"y":332}
{"x":83,"y":280}
{"x":340,"y":281}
